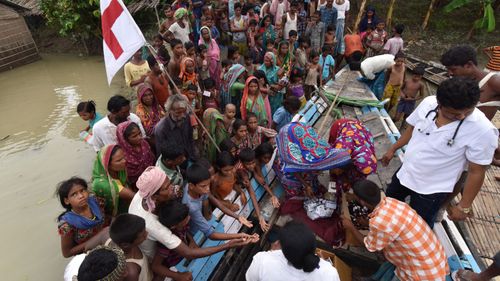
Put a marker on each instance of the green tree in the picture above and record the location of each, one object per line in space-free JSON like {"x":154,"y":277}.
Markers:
{"x":487,"y":19}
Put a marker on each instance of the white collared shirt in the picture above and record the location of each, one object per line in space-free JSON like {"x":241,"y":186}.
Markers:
{"x":430,"y":165}
{"x":104,"y":132}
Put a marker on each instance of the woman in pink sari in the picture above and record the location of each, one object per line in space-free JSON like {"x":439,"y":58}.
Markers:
{"x":213,"y":54}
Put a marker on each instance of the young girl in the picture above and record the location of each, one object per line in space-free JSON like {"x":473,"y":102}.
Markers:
{"x":86,"y":110}
{"x":296,"y":88}
{"x":191,"y":94}
{"x":229,"y":146}
{"x":83,"y":218}
{"x":137,"y":151}
{"x":225,"y":181}
{"x":376,"y":40}
{"x":258,"y":134}
{"x":263,"y":155}
{"x":240,"y":135}
{"x":187,"y":73}
{"x":313,"y":70}
{"x":210,"y":98}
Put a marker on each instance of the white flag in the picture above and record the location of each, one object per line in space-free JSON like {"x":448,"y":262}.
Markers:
{"x":121,"y":36}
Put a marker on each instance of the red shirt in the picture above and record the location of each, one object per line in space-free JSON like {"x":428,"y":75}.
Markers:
{"x":353,"y":44}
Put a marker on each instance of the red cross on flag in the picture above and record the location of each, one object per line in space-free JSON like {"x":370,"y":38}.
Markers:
{"x":121,"y":36}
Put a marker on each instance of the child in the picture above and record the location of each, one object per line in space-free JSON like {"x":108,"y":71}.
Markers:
{"x":223,"y":24}
{"x":376,"y":40}
{"x":315,"y":31}
{"x":86,"y":110}
{"x":411,"y":91}
{"x":128,"y":231}
{"x":257,"y":134}
{"x":292,"y":41}
{"x":234,"y":55}
{"x":196,"y":192}
{"x":202,"y":62}
{"x":249,"y":65}
{"x":251,"y":32}
{"x":330,"y":37}
{"x":210,"y":97}
{"x":395,"y":44}
{"x":226,"y":65}
{"x":163,"y":54}
{"x":245,"y":170}
{"x":191,"y":93}
{"x":327,"y":64}
{"x":83,"y":217}
{"x":190,"y":50}
{"x":225,"y":181}
{"x":263,"y":83}
{"x":240,"y":133}
{"x":229,"y":146}
{"x":229,"y":117}
{"x":394,"y":79}
{"x":313,"y":70}
{"x":257,"y":52}
{"x":178,"y":54}
{"x":364,"y":35}
{"x":289,"y":20}
{"x":295,"y":87}
{"x":175,"y":216}
{"x":301,"y":53}
{"x":263,"y":153}
{"x":172,"y":156}
{"x":284,"y":114}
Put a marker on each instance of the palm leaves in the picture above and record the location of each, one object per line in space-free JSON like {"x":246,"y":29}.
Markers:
{"x":487,"y":22}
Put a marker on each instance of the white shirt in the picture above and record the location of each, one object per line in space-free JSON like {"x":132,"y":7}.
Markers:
{"x":376,"y":64}
{"x":273,"y":266}
{"x":342,"y":9}
{"x":180,"y":33}
{"x":105,"y":132}
{"x":156,"y":230}
{"x":73,"y":266}
{"x":430,"y":165}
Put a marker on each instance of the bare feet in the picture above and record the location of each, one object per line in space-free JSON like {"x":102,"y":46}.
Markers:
{"x":466,"y":275}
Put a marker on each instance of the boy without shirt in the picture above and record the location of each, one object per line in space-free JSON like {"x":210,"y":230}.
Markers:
{"x":394,"y":79}
{"x":411,"y":91}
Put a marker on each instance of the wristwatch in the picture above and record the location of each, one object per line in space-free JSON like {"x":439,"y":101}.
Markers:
{"x":465,"y":210}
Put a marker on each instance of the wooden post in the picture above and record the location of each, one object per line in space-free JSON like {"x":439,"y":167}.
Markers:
{"x":360,"y":14}
{"x":428,"y":15}
{"x":389,"y":14}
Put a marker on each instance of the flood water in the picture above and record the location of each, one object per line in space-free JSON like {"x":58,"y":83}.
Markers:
{"x":39,"y":147}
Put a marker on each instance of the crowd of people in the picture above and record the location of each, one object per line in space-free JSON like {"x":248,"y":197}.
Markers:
{"x":216,"y":95}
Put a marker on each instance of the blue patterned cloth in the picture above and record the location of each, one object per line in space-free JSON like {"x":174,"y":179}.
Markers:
{"x":301,"y":150}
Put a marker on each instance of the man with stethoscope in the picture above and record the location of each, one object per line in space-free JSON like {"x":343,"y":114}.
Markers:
{"x":446,"y":133}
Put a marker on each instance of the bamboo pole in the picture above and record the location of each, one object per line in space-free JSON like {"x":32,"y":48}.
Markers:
{"x":428,"y":15}
{"x":389,"y":13}
{"x":157,"y":16}
{"x":178,"y":92}
{"x":329,"y":110}
{"x":360,"y":14}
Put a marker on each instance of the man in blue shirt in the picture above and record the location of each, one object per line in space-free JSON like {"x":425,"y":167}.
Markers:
{"x":329,"y":14}
{"x":285,"y":113}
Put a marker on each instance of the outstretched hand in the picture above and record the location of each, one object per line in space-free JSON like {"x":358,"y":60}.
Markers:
{"x":275,"y":201}
{"x":263,"y":224}
{"x":245,"y":222}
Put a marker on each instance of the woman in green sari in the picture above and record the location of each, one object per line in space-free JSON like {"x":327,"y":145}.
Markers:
{"x":214,"y":122}
{"x":109,"y":179}
{"x":254,"y":101}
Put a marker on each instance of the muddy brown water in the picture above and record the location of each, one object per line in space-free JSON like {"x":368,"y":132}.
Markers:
{"x":39,"y":147}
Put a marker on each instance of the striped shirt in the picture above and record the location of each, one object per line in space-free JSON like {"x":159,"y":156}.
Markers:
{"x":494,"y":63}
{"x":407,"y":242}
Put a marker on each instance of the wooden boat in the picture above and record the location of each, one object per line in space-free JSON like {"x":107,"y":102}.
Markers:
{"x":232,"y":264}
{"x":434,"y":72}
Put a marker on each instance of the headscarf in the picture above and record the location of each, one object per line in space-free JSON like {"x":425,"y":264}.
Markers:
{"x":286,"y":63}
{"x":231,"y":76}
{"x":179,"y":13}
{"x":104,"y":185}
{"x":260,"y":105}
{"x":211,"y":117}
{"x":363,"y":25}
{"x":148,"y":119}
{"x":149,"y":183}
{"x":121,"y":264}
{"x":137,"y":160}
{"x":272,"y":71}
{"x":352,"y":136}
{"x":187,"y":77}
{"x":301,"y":150}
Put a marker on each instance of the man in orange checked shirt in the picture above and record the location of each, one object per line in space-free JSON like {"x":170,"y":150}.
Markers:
{"x":404,"y":237}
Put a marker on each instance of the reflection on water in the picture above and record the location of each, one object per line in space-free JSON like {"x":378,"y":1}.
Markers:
{"x":39,"y":147}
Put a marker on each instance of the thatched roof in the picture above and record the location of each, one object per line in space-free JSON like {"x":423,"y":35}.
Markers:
{"x":138,"y":5}
{"x":32,"y":6}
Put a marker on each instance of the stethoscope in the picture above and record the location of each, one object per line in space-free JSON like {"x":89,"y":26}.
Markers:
{"x":435,"y":111}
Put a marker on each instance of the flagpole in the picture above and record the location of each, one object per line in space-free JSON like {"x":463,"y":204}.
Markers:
{"x":155,"y":55}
